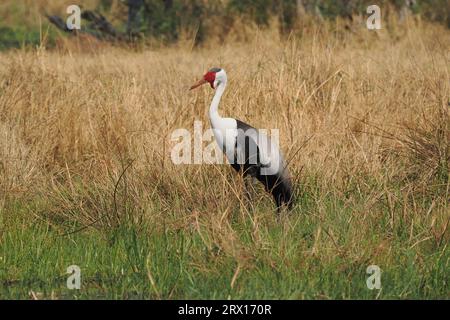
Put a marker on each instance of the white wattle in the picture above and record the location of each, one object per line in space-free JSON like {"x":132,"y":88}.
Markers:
{"x":225,"y":129}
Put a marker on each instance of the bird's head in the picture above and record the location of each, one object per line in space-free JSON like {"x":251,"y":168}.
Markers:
{"x":214,"y":76}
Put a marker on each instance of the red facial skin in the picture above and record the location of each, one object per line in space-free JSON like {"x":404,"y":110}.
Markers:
{"x":210,"y":77}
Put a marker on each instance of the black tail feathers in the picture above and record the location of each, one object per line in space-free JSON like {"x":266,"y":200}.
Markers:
{"x":283,"y":194}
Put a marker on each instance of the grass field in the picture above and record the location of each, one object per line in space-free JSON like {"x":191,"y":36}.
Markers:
{"x":86,"y":176}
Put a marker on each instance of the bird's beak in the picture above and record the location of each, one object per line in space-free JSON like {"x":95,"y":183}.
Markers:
{"x":198,"y":83}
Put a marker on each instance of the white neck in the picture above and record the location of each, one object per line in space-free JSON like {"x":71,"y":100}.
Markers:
{"x":214,"y":108}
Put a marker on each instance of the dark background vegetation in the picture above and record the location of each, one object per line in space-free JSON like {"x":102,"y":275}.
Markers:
{"x":165,"y":20}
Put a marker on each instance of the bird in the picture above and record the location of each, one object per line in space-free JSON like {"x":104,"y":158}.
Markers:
{"x":248,"y":150}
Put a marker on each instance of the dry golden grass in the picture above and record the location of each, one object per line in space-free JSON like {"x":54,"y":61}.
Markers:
{"x":364,"y":119}
{"x":82,"y":112}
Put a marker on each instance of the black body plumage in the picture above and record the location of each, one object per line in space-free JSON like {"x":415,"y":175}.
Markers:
{"x":278,"y":184}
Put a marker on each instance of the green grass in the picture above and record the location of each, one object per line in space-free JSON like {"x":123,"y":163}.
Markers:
{"x":22,"y":37}
{"x":122,"y":263}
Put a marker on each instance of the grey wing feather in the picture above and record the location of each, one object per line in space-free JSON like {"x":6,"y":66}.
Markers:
{"x":260,"y":157}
